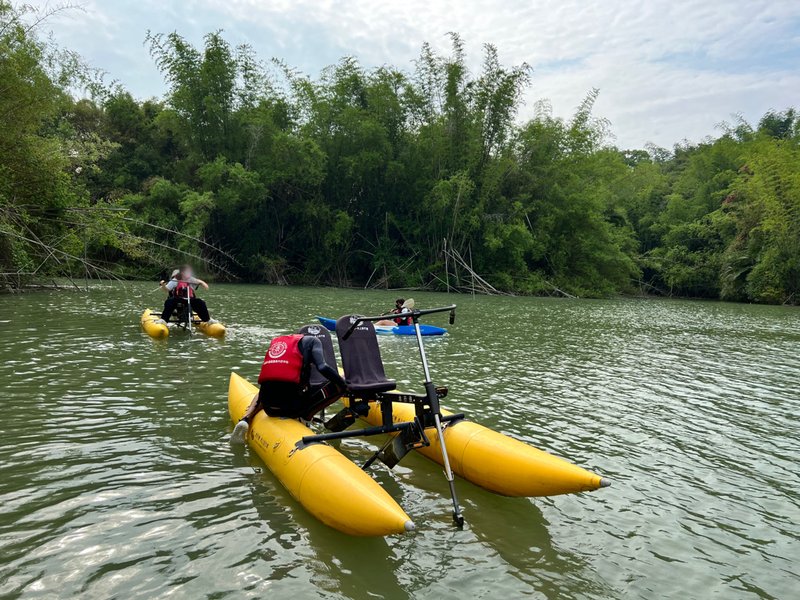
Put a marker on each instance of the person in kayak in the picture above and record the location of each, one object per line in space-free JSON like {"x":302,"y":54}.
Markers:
{"x":181,"y":286}
{"x":398,"y":308}
{"x":284,"y":378}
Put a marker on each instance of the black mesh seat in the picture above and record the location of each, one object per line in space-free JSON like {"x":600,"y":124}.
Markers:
{"x":361,"y":358}
{"x":181,"y":311}
{"x":316,"y":378}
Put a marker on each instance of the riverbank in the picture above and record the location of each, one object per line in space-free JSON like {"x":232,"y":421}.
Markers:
{"x":65,"y":284}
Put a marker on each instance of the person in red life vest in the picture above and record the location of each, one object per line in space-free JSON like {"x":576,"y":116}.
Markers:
{"x":284,"y":378}
{"x":183,"y":284}
{"x":398,"y":308}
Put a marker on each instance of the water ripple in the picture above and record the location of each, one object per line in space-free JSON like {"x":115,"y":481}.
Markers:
{"x":118,"y":479}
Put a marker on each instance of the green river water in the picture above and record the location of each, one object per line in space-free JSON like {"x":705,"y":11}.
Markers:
{"x":117,"y":479}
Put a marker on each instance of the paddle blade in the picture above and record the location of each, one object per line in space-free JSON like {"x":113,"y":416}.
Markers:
{"x":408,"y":304}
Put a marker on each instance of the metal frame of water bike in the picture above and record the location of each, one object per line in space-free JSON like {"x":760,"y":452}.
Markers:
{"x":427,"y":409}
{"x":189,"y":321}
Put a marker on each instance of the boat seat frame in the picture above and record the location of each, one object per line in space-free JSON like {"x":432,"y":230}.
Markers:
{"x":412,"y":433}
{"x":367,"y":383}
{"x":180,"y":315}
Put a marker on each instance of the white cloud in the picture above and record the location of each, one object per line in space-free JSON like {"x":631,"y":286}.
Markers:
{"x":666,"y":70}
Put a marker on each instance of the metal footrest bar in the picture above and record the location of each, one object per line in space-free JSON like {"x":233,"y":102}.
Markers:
{"x":367,"y":431}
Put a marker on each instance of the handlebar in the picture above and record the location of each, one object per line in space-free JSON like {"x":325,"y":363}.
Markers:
{"x":414,"y":314}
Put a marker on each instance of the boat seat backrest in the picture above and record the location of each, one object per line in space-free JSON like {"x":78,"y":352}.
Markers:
{"x":361,"y":358}
{"x":316,"y":378}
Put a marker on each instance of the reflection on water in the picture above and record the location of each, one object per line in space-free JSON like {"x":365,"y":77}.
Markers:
{"x":117,"y":479}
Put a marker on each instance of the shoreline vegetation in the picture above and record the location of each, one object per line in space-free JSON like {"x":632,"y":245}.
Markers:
{"x":83,"y":285}
{"x":374,"y":178}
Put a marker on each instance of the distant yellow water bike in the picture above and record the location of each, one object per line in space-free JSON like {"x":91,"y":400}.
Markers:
{"x":183,"y":317}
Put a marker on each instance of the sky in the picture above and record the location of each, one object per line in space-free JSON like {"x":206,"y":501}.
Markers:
{"x":667,"y":71}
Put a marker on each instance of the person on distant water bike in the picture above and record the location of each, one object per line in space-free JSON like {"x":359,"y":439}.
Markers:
{"x":398,"y":308}
{"x":284,"y":378}
{"x":182,"y":285}
{"x":173,"y":277}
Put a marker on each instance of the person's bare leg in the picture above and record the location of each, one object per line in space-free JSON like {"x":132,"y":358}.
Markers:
{"x":239,"y":434}
{"x":252,"y":409}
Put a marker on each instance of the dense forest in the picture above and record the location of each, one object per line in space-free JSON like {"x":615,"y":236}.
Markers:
{"x":419,"y":178}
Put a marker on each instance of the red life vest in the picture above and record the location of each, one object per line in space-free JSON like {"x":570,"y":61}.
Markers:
{"x":182,"y":289}
{"x":283,"y":361}
{"x":401,"y":320}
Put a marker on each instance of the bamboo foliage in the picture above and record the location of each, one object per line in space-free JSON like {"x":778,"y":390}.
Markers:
{"x":375,"y":178}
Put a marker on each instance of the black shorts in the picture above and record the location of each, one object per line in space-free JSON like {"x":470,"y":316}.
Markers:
{"x":289,"y":400}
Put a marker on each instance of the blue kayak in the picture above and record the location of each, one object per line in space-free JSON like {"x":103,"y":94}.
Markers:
{"x":330,"y":324}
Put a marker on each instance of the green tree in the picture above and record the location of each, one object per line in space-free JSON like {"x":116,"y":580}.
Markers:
{"x":49,"y":147}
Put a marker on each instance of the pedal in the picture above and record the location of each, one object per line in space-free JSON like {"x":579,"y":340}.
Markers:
{"x":407,"y":440}
{"x":394,"y":452}
{"x":341,"y":420}
{"x":423,"y":438}
{"x":441,"y":392}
